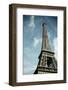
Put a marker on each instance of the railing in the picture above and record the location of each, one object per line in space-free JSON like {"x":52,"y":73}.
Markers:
{"x":47,"y":69}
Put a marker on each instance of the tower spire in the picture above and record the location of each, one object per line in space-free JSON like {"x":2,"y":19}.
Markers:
{"x":45,"y":40}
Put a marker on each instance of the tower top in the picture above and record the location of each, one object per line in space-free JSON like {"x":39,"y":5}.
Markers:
{"x":45,"y":39}
{"x":44,"y":24}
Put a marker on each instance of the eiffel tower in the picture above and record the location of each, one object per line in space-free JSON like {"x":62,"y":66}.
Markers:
{"x":47,"y":62}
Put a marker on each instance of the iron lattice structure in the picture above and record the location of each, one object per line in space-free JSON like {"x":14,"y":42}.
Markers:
{"x":47,"y":62}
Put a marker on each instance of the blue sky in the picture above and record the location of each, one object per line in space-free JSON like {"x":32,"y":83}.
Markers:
{"x":32,"y":28}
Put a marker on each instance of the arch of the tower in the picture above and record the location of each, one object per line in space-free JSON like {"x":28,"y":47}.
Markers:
{"x":49,"y":62}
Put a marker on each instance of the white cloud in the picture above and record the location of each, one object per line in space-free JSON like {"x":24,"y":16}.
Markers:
{"x":36,"y":41}
{"x":28,"y":64}
{"x":32,"y":24}
{"x":55,"y":47}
